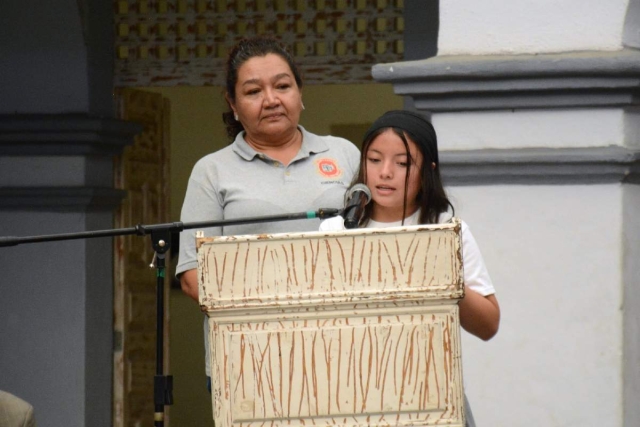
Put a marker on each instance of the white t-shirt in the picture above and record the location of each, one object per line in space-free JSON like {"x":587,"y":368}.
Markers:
{"x":476,"y":276}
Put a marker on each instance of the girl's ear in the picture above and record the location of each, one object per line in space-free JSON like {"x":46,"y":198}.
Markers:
{"x":433,"y":166}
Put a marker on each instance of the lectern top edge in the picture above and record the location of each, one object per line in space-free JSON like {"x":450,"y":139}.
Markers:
{"x":454,"y":224}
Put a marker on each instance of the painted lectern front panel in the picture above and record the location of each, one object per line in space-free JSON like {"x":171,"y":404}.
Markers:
{"x":358,"y":327}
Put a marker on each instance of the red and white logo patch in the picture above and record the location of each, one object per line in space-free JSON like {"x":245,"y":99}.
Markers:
{"x":328,"y":168}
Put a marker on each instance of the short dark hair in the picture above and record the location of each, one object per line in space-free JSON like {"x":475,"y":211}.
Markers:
{"x":243,"y":51}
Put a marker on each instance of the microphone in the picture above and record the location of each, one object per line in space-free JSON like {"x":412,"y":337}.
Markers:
{"x":356,"y":198}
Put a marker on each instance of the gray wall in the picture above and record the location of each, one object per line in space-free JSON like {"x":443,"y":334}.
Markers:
{"x":57,"y":143}
{"x":540,"y":153}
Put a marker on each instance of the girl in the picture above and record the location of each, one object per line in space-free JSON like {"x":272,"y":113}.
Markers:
{"x":399,"y":164}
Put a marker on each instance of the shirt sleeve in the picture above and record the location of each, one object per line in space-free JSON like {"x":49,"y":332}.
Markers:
{"x":476,"y":275}
{"x":201,"y":203}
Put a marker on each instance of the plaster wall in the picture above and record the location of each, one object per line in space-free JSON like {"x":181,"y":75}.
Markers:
{"x":69,"y":171}
{"x":470,"y":27}
{"x":553,"y":253}
{"x":43,"y":71}
{"x":56,"y":318}
{"x":631,"y":34}
{"x":563,"y":257}
{"x":631,"y":329}
{"x":571,"y":128}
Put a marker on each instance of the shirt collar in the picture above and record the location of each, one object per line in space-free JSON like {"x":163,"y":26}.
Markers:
{"x":311,"y":144}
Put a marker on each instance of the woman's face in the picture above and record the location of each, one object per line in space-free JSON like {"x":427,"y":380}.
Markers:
{"x":386,"y":170}
{"x":268,"y":101}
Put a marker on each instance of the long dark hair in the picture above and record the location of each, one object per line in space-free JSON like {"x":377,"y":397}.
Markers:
{"x":241,"y":53}
{"x":432,"y":198}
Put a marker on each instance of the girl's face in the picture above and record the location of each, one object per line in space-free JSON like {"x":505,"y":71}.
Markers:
{"x":386,"y":170}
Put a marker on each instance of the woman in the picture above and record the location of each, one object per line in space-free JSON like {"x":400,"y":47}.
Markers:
{"x":274,"y":165}
{"x":400,"y":166}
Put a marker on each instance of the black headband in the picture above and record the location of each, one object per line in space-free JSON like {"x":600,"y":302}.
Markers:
{"x":417,"y":127}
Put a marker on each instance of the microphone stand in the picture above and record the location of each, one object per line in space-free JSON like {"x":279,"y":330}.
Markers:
{"x":161,"y":243}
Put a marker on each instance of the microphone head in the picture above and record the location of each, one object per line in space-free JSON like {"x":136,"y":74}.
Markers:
{"x":358,"y":188}
{"x":355,"y":200}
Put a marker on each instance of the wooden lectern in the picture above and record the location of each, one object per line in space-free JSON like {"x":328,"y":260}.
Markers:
{"x":356,"y":327}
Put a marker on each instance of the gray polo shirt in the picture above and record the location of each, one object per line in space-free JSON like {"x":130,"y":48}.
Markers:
{"x":237,"y":182}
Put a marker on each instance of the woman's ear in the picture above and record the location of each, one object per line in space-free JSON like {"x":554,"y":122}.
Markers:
{"x":231,"y":105}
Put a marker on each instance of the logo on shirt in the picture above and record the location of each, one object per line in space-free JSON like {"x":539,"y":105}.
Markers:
{"x":328,"y":168}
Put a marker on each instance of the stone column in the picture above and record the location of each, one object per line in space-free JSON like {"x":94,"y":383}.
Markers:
{"x":58,"y":137}
{"x":535,"y":105}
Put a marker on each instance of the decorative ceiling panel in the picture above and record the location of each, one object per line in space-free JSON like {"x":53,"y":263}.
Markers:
{"x":185,"y":42}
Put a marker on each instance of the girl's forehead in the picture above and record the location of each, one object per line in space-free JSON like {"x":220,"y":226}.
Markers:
{"x":390,"y":142}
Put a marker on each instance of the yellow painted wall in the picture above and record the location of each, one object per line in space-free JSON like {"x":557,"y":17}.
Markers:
{"x":197,"y":130}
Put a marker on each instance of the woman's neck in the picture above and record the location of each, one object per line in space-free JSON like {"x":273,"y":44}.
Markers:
{"x":283,"y":150}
